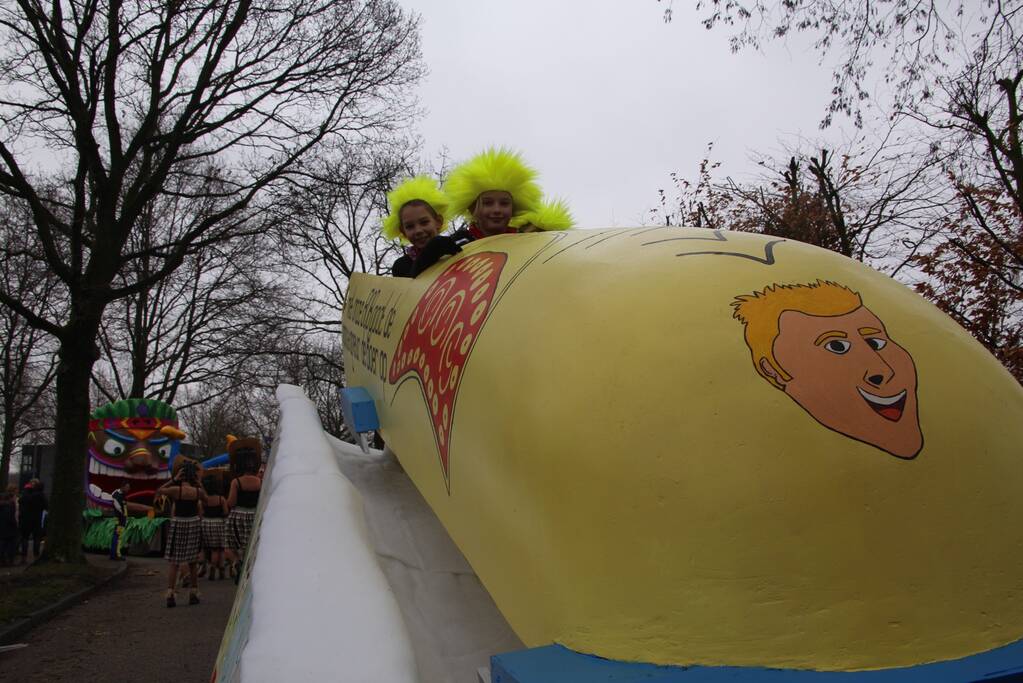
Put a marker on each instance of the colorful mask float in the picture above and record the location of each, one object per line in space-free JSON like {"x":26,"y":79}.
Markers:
{"x":697,"y":447}
{"x":133,"y":440}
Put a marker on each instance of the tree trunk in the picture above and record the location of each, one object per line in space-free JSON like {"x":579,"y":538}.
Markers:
{"x":67,"y":500}
{"x":140,"y":330}
{"x":6,"y":450}
{"x":140,"y":347}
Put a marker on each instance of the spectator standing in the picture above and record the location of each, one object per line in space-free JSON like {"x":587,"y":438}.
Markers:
{"x":242,"y":499}
{"x":30,"y":521}
{"x":8,"y":528}
{"x":185,"y":535}
{"x":214,"y":513}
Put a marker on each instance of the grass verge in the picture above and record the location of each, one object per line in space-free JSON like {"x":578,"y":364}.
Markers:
{"x":40,"y":586}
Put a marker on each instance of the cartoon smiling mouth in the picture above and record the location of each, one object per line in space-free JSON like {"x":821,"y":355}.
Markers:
{"x":102,"y":479}
{"x":888,"y":407}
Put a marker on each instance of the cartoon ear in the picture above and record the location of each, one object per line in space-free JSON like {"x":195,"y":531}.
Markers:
{"x":771,"y":373}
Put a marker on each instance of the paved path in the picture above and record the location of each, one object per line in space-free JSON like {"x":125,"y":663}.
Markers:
{"x":125,"y":633}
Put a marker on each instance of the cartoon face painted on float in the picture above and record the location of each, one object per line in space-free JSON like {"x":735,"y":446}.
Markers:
{"x":830,"y":354}
{"x":134,"y":440}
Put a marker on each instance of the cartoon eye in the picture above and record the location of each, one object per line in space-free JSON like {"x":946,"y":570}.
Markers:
{"x":838,"y":346}
{"x":164,"y":451}
{"x":113,"y":447}
{"x":877,"y":344}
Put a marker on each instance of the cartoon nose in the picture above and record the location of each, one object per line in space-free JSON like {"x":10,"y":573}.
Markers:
{"x":140,"y":458}
{"x":876,"y":380}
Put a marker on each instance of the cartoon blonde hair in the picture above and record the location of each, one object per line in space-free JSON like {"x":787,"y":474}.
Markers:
{"x":760,"y":313}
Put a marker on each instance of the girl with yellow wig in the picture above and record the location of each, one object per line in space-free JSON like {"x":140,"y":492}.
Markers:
{"x":417,"y":208}
{"x":496,"y":193}
{"x":490,"y":190}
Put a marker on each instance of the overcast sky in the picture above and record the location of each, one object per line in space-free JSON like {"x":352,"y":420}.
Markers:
{"x":604,"y":98}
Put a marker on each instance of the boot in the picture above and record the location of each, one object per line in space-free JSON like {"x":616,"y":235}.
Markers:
{"x":193,"y":596}
{"x":171,"y":602}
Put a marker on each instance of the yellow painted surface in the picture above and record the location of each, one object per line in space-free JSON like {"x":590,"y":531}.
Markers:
{"x":625,"y":483}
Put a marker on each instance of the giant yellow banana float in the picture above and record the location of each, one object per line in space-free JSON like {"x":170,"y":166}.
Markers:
{"x":697,"y":447}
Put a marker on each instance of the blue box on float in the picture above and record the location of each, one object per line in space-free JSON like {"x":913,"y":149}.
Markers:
{"x":359,"y":410}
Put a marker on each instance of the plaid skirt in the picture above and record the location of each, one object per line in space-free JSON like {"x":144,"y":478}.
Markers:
{"x":239,"y":526}
{"x":183,"y":540}
{"x":213,"y":533}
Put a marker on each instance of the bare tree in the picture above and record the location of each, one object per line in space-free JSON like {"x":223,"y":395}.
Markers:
{"x":873,"y":202}
{"x":212,"y":102}
{"x":976,"y":276}
{"x":906,"y":45}
{"x":196,"y":326}
{"x":210,"y":421}
{"x":28,"y":359}
{"x":331,"y":224}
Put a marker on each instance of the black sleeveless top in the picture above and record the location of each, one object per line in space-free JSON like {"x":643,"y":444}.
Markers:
{"x":215,"y":511}
{"x":247,"y":499}
{"x":186,"y":508}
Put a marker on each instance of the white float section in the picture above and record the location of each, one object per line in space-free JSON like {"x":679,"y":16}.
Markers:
{"x":322,"y":609}
{"x":453,"y":622}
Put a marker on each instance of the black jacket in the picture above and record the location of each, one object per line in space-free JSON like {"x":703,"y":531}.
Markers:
{"x":31,"y":507}
{"x":435,"y":249}
{"x":404,"y":267}
{"x":8,"y":520}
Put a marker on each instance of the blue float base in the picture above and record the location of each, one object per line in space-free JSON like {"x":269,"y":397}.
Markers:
{"x":557,"y":664}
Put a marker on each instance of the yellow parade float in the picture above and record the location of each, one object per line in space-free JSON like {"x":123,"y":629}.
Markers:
{"x":698,"y":447}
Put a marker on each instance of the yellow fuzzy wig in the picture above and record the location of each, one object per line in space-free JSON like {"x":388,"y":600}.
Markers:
{"x":423,"y":188}
{"x":549,"y":215}
{"x":494,"y":169}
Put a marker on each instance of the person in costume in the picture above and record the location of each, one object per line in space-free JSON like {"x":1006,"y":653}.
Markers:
{"x":183,"y":539}
{"x":489,"y":191}
{"x":242,"y":498}
{"x":120,"y":504}
{"x":215,"y":511}
{"x":497,"y":194}
{"x":417,"y":208}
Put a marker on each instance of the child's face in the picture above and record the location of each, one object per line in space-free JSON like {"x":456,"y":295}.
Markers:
{"x":418,"y":224}
{"x":493,"y":211}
